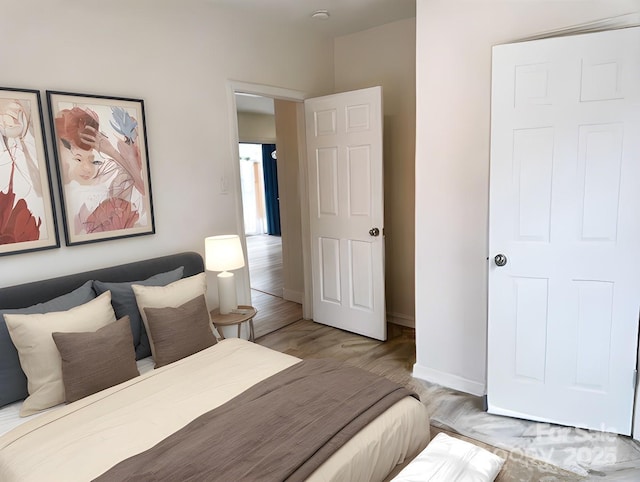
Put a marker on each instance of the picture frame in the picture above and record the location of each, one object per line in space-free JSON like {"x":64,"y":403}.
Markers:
{"x":27,"y":209}
{"x":102,"y":161}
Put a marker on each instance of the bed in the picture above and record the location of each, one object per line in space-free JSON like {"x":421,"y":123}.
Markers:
{"x":191,"y":413}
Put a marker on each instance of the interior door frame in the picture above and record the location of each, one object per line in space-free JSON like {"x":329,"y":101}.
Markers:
{"x":280,"y":93}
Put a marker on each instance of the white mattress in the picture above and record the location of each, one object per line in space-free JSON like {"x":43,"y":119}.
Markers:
{"x":79,"y":441}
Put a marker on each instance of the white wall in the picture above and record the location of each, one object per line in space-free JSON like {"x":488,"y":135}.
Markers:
{"x":288,"y":120}
{"x":385,"y":56}
{"x":453,"y":57}
{"x":256,"y":128}
{"x":178,"y":57}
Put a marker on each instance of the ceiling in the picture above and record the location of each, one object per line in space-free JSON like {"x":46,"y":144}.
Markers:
{"x":254,"y":104}
{"x":345,"y":17}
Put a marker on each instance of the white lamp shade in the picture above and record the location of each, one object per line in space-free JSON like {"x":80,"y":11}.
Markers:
{"x":223,"y":253}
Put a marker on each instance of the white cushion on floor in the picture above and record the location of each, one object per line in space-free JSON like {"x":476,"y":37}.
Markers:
{"x":448,"y":459}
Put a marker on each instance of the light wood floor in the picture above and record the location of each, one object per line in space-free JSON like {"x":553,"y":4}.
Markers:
{"x":274,"y":313}
{"x":264,"y":254}
{"x":394,"y":359}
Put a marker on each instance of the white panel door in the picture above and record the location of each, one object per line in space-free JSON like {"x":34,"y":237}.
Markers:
{"x":344,"y":152}
{"x":564,"y":210}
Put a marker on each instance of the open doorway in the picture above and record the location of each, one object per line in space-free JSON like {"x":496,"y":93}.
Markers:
{"x":261,"y":212}
{"x":259,"y":188}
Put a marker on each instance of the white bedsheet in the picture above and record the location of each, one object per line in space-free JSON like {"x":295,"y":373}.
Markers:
{"x":10,"y":418}
{"x":10,"y":414}
{"x":80,"y":441}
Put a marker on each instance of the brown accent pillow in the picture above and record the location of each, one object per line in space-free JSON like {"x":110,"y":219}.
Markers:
{"x":179,"y":332}
{"x":39,"y":357}
{"x":93,"y":361}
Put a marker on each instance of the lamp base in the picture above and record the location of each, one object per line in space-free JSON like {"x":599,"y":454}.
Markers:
{"x":227,"y":292}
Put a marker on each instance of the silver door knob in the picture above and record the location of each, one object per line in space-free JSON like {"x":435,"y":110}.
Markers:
{"x":374,"y":231}
{"x":500,"y":259}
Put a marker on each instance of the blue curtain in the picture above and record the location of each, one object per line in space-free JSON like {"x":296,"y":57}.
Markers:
{"x":272,"y":201}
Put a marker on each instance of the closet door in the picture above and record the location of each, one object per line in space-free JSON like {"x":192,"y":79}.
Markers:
{"x":564,"y":236}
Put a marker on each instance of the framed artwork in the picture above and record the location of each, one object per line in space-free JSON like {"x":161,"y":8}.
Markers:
{"x":103,"y":166}
{"x":27,"y":220}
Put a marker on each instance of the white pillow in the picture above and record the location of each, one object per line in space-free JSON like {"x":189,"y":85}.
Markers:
{"x":169,"y":296}
{"x":39,"y":356}
{"x":448,"y":459}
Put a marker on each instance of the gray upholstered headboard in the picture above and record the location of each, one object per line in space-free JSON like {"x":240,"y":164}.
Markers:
{"x":28,"y":294}
{"x":12,"y":379}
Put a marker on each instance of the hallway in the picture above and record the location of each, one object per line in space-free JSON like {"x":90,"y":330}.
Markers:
{"x":264,"y":253}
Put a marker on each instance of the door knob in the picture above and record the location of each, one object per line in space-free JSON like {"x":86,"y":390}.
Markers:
{"x":374,"y":231}
{"x":500,"y":259}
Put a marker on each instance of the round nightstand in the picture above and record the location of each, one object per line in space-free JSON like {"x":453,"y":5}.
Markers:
{"x":245,"y":313}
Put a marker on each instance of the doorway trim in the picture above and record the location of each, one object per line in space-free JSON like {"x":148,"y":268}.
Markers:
{"x":233,"y":87}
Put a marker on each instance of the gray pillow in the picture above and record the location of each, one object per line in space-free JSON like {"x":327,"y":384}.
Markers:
{"x":96,"y":360}
{"x":12,"y":379}
{"x":124,"y":304}
{"x":179,"y":332}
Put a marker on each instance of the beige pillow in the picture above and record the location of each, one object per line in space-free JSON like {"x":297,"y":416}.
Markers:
{"x":179,"y":332}
{"x":168,"y":296}
{"x":39,"y":357}
{"x":96,"y":360}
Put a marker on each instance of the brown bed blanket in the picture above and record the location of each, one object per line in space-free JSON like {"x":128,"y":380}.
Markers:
{"x":282,"y":428}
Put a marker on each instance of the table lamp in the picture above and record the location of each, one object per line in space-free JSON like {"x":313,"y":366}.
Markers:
{"x":224,"y":253}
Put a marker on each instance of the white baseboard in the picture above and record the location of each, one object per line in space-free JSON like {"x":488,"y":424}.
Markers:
{"x":291,"y":295}
{"x":448,"y":380}
{"x":400,"y":319}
